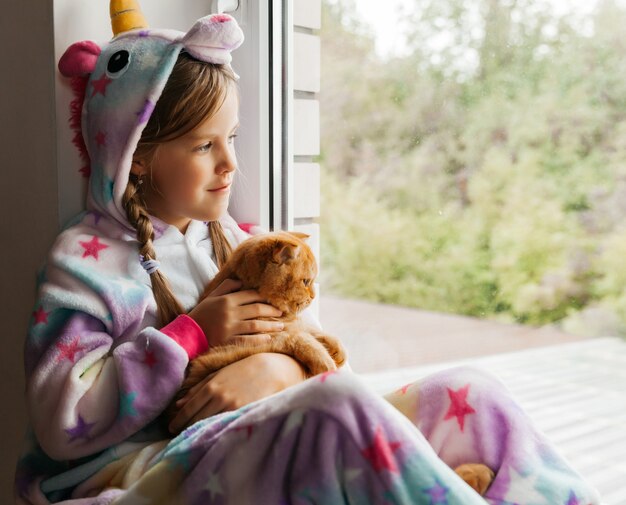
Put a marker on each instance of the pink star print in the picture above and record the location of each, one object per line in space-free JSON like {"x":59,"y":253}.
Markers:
{"x":248,"y":429}
{"x":41,"y":316}
{"x":101,"y":139}
{"x":220,"y":18}
{"x":92,"y":248}
{"x":100,"y":85}
{"x":325,"y":375}
{"x":380,"y":453}
{"x":403,"y":389}
{"x":68,"y":350}
{"x":459,"y":407}
{"x":150,"y":360}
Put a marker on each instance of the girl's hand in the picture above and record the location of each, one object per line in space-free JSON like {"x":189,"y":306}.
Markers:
{"x":227,"y":315}
{"x":236,"y":385}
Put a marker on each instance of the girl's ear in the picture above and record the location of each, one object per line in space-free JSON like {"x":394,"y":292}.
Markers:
{"x":138,"y":168}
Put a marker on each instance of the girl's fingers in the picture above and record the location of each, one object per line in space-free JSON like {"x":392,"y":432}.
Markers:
{"x":193,"y":390}
{"x":254,"y":326}
{"x":227,"y":286}
{"x":210,"y":409}
{"x":256,"y":310}
{"x":246,"y":297}
{"x":257,"y":339}
{"x":190,"y":409}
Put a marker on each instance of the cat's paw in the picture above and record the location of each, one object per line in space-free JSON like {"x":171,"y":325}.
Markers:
{"x":320,"y":364}
{"x":478,"y":476}
{"x":334,"y":348}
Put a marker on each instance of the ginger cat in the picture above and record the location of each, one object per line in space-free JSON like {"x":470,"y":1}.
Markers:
{"x":282,"y":267}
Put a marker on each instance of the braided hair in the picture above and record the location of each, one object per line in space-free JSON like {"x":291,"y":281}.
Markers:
{"x":194,"y":92}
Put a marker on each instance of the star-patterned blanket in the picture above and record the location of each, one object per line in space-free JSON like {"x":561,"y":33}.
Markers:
{"x":332,"y":441}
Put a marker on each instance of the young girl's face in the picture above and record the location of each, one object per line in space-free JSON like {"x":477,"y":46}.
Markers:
{"x":190,"y":177}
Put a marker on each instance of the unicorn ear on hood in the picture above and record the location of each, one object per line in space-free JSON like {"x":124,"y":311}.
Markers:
{"x":79,"y":59}
{"x":212,"y":38}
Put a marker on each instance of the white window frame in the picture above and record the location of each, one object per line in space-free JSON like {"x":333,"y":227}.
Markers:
{"x":265,"y":151}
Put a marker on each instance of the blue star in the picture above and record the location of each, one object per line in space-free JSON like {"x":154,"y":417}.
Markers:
{"x":107,"y":190}
{"x":126,"y":404}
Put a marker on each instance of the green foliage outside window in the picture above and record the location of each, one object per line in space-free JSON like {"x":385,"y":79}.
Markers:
{"x":486,"y":176}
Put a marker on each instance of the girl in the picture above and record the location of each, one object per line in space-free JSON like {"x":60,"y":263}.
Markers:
{"x":117,"y":320}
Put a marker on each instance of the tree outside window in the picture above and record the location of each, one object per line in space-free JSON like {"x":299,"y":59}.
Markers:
{"x":482,"y":169}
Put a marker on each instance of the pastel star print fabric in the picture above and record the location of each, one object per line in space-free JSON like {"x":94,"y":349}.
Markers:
{"x":330,"y":440}
{"x":469,"y":416}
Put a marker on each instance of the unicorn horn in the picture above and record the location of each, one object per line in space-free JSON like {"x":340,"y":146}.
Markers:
{"x":126,"y":15}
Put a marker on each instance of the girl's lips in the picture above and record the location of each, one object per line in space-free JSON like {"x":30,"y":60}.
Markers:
{"x":221,"y":188}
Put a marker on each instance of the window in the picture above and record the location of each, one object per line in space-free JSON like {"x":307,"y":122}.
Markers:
{"x":472,"y":164}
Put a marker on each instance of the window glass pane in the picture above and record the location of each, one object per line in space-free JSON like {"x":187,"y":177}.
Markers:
{"x":474,"y":163}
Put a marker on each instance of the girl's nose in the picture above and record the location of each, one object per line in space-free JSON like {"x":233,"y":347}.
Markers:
{"x":228,"y":162}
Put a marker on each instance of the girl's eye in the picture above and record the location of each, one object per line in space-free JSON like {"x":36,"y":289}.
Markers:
{"x":208,"y":146}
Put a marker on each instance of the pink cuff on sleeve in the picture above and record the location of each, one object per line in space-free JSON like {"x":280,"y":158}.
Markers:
{"x":186,"y":332}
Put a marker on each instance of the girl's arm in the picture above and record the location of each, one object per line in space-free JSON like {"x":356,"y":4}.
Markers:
{"x":236,"y":385}
{"x":85,"y":394}
{"x":91,"y":384}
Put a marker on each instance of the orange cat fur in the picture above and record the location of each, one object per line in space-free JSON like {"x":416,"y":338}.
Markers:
{"x":478,"y":476}
{"x":282,"y":268}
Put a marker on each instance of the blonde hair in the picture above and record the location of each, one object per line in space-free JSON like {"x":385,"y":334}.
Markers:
{"x":194,"y":92}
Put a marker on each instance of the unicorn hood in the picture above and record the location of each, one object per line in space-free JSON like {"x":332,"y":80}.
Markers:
{"x":122,"y":81}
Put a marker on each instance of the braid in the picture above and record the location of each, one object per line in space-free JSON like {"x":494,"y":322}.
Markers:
{"x":168,"y":306}
{"x":195,"y":91}
{"x":221,"y":246}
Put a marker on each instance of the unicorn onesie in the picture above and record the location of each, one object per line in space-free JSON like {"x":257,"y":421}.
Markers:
{"x":99,"y":370}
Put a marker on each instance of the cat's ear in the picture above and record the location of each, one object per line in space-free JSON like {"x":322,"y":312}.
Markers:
{"x":284,"y":253}
{"x":300,"y":235}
